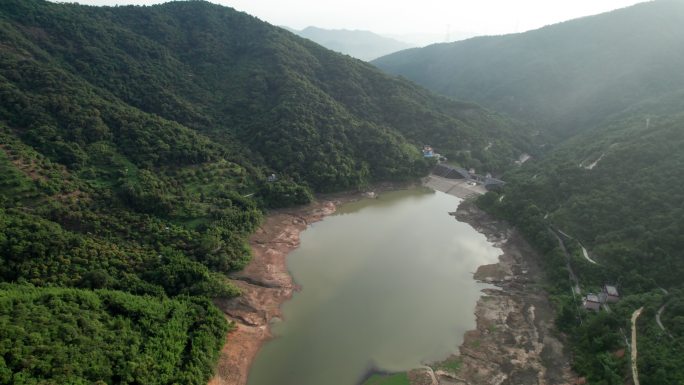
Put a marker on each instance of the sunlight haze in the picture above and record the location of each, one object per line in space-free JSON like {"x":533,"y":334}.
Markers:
{"x":446,"y":19}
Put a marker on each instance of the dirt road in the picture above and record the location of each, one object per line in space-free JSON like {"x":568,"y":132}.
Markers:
{"x":635,"y":369}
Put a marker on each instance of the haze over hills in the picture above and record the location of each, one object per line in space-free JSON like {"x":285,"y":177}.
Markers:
{"x":364,"y":45}
{"x":565,"y":77}
{"x":134,"y":148}
{"x":611,"y":90}
{"x":417,"y":39}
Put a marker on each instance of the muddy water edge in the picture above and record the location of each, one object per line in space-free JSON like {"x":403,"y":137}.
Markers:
{"x":515,"y":341}
{"x":266,"y":283}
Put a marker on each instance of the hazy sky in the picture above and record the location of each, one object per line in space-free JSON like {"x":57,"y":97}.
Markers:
{"x":413,"y":16}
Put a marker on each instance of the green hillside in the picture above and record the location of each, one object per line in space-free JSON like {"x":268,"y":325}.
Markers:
{"x":565,"y":77}
{"x":324,"y":119}
{"x":72,"y":336}
{"x":618,"y":191}
{"x":135,"y":145}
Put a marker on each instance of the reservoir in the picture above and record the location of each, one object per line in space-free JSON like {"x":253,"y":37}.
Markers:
{"x":386,"y":283}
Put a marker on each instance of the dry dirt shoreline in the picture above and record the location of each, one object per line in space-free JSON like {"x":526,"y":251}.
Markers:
{"x":513,"y":343}
{"x":266,"y":283}
{"x":515,"y":340}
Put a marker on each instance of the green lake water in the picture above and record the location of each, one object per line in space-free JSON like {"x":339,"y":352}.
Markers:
{"x":385,"y":283}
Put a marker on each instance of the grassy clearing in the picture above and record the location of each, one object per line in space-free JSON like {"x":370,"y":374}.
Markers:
{"x":393,"y":379}
{"x":451,"y":364}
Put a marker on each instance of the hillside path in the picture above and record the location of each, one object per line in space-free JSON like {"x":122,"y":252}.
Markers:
{"x":660,"y":323}
{"x":635,"y":371}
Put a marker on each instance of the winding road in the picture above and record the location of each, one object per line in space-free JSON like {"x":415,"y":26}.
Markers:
{"x":573,"y":277}
{"x":635,"y":370}
{"x":660,"y":324}
{"x":586,"y":255}
{"x":594,"y":163}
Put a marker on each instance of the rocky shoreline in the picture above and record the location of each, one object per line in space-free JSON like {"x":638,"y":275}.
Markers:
{"x":515,"y":341}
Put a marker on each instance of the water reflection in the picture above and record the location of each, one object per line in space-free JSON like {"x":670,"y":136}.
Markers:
{"x":386,"y":283}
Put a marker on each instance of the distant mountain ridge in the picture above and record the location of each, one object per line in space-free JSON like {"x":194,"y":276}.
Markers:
{"x":364,"y":45}
{"x":564,"y":77}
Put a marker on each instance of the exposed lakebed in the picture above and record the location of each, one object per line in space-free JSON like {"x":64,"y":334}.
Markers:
{"x":386,"y":284}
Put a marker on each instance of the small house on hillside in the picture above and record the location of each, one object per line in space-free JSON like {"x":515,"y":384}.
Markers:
{"x":609,"y":294}
{"x":429,"y":152}
{"x":591,"y":302}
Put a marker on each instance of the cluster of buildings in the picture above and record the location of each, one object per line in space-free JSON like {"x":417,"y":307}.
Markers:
{"x":449,"y":172}
{"x":429,"y":152}
{"x":608,"y":294}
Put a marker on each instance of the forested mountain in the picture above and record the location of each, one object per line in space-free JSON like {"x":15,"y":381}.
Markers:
{"x":611,"y":89}
{"x":564,"y":77}
{"x":364,"y":45}
{"x":134,"y":148}
{"x":617,"y":190}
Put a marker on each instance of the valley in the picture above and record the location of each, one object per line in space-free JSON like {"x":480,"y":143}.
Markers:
{"x":189,"y":194}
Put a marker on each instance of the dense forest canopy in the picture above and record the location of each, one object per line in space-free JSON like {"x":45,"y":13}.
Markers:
{"x":611,"y":91}
{"x":74,"y":336}
{"x":135,"y":145}
{"x":618,"y":191}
